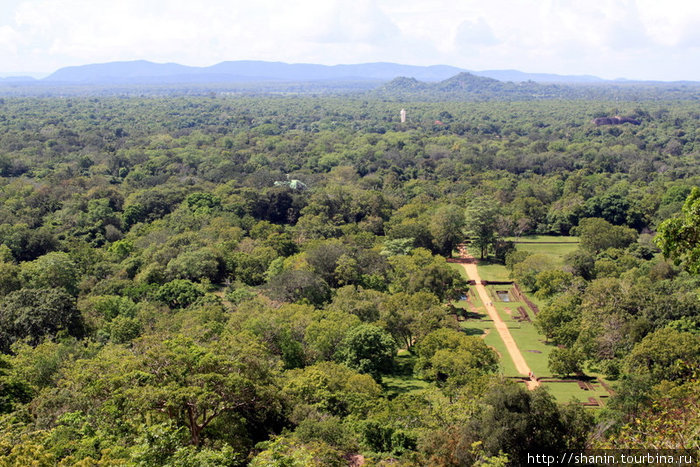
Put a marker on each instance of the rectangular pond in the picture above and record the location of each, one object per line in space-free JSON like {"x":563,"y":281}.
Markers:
{"x":503,"y":295}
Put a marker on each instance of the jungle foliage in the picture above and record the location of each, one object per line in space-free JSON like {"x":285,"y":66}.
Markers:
{"x":226,"y":280}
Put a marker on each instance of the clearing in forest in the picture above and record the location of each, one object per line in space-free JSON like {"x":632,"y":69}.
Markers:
{"x":529,"y":343}
{"x":518,"y":360}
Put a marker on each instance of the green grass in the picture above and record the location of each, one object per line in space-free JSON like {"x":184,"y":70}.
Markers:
{"x":484,"y":327}
{"x":544,"y":238}
{"x":567,"y":392}
{"x":556,"y":251}
{"x":492,"y":271}
{"x":525,"y":334}
{"x":403,"y":381}
{"x":487,"y":271}
{"x":476,"y":299}
{"x":537,"y":301}
{"x":493,"y":339}
{"x":528,"y":338}
{"x":459,"y":268}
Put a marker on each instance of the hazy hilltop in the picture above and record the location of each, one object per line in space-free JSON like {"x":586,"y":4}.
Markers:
{"x":461,"y":84}
{"x":382,"y":80}
{"x":142,"y":71}
{"x":117,"y":72}
{"x":145,"y":72}
{"x":468,"y":86}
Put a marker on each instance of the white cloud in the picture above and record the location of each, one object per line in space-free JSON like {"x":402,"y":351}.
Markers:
{"x":9,"y":39}
{"x":610,"y":38}
{"x":475,"y":33}
{"x":360,"y":21}
{"x":633,"y":38}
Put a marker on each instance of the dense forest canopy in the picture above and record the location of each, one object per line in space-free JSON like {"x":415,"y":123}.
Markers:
{"x":233,"y":280}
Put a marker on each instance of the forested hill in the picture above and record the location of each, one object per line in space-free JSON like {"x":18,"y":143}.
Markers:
{"x":460,"y":86}
{"x":469,"y":87}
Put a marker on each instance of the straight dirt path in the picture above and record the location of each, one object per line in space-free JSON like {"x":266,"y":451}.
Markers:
{"x":518,"y":360}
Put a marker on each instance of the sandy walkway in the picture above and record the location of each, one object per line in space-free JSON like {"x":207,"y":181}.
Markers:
{"x":503,"y":331}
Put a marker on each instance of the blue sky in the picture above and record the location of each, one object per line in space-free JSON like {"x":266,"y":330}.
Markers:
{"x":636,"y":39}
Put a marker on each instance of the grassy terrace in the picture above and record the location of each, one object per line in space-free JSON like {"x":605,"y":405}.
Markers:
{"x":541,"y":244}
{"x":490,"y":271}
{"x":536,"y":244}
{"x":566,"y":392}
{"x":544,"y":239}
{"x":531,"y":343}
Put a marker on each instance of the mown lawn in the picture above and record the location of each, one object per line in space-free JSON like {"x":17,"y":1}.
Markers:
{"x":403,"y":381}
{"x":483,"y":326}
{"x":459,"y":268}
{"x":530,"y":342}
{"x":567,"y":392}
{"x":556,"y":250}
{"x":544,"y":238}
{"x":492,"y":271}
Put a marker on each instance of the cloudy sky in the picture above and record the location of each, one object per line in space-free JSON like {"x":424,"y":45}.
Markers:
{"x":636,"y":39}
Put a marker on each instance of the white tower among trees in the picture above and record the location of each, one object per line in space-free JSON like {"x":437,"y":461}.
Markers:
{"x":403,"y":115}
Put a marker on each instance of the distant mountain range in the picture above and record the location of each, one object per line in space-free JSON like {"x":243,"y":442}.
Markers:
{"x":18,"y":79}
{"x":145,"y":72}
{"x":381,"y":80}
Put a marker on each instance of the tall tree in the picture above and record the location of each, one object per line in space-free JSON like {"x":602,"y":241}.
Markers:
{"x":36,"y":313}
{"x":679,"y":237}
{"x":368,"y":349}
{"x":598,"y":234}
{"x":480,"y":224}
{"x":194,"y":385}
{"x":446,"y":226}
